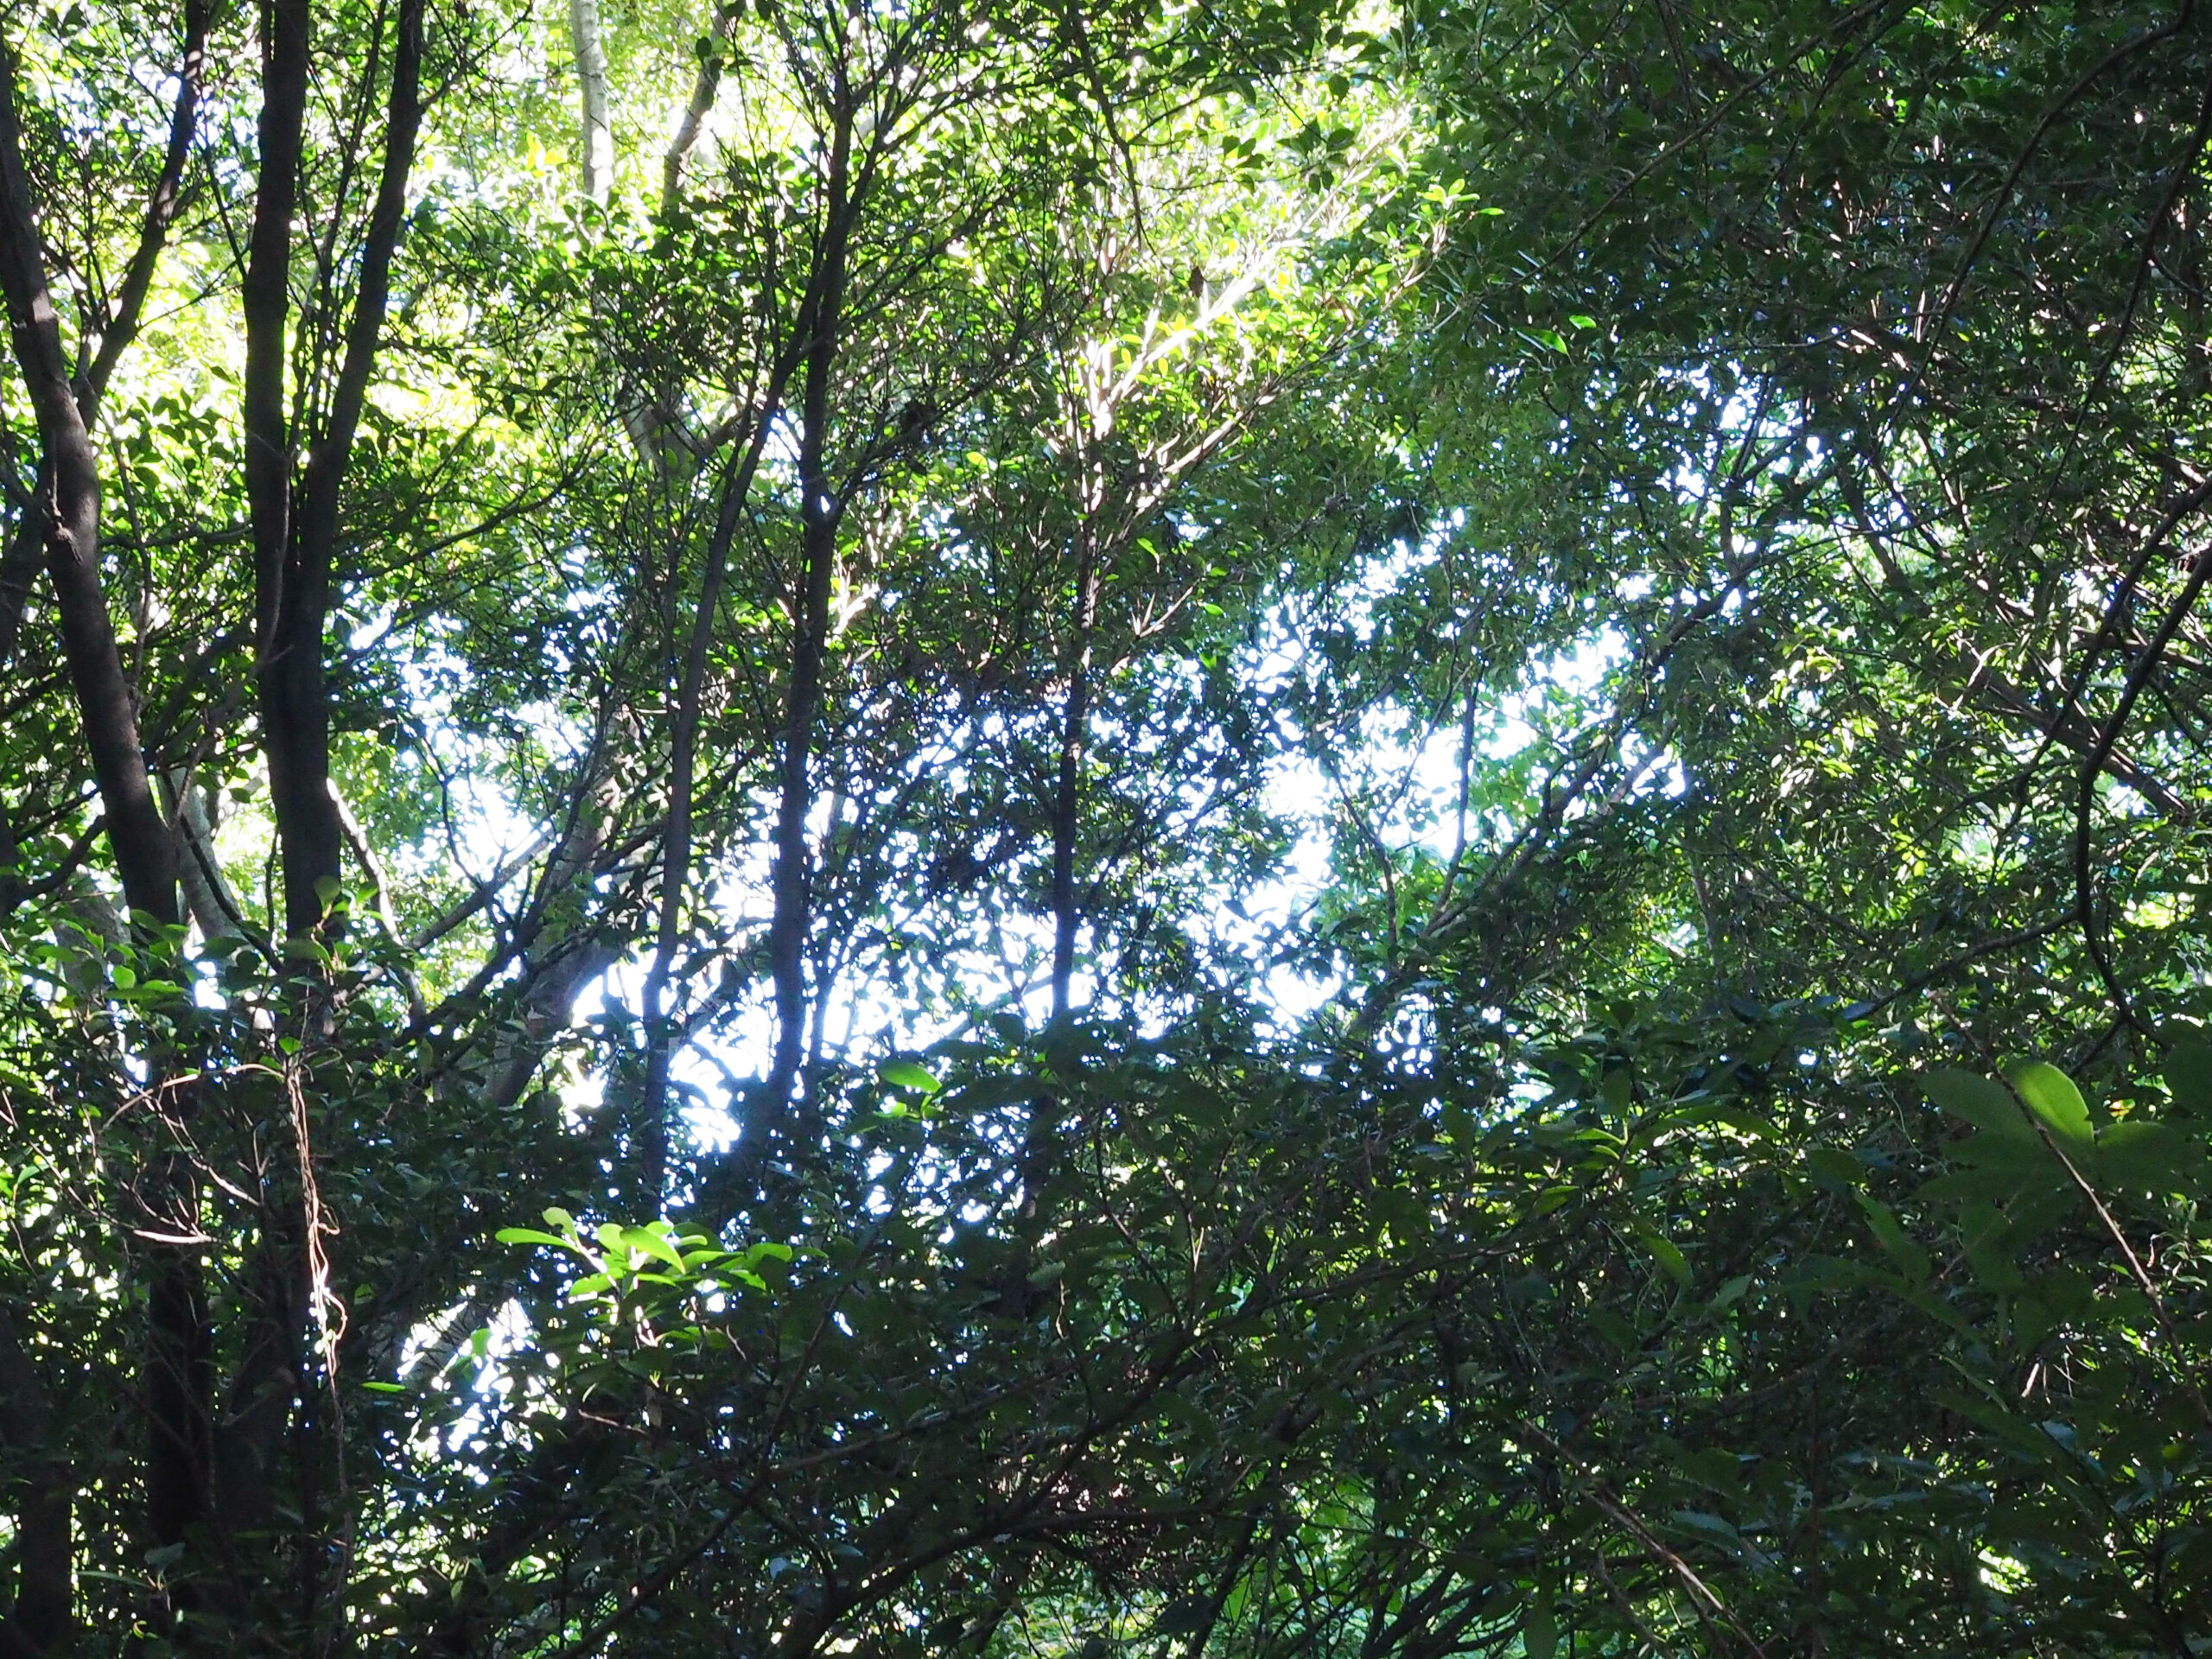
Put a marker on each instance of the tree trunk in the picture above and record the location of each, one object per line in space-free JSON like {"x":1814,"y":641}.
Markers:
{"x":295,"y":532}
{"x":819,"y":515}
{"x":595,"y":156}
{"x":267,"y":303}
{"x":294,"y":525}
{"x":1067,"y":798}
{"x":19,"y":564}
{"x":41,"y":1615}
{"x":676,"y":854}
{"x":179,"y":1381}
{"x":68,"y":520}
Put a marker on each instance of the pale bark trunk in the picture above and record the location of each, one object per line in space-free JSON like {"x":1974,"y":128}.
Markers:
{"x":595,"y":153}
{"x":1067,"y":798}
{"x":207,"y":897}
{"x":703,"y":88}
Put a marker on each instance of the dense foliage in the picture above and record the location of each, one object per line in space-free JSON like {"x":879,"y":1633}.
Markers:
{"x":1105,"y":827}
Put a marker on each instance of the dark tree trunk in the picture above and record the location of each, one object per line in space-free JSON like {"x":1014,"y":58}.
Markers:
{"x":295,"y":524}
{"x":19,"y":563}
{"x":820,"y":511}
{"x":42,"y":1616}
{"x":1040,"y":1140}
{"x":675,"y":855}
{"x":295,"y":698}
{"x":67,"y":514}
{"x":178,"y":1382}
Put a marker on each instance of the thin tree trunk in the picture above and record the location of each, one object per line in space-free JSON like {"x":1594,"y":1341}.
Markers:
{"x":179,"y":1380}
{"x":161,"y":209}
{"x":257,"y":1405}
{"x":69,"y":516}
{"x":207,"y":897}
{"x":267,"y":302}
{"x":19,"y":564}
{"x":819,"y":515}
{"x":295,"y":532}
{"x":675,"y":856}
{"x":295,"y":523}
{"x":1067,"y":798}
{"x":1040,"y":1139}
{"x":596,"y":155}
{"x":705,"y":86}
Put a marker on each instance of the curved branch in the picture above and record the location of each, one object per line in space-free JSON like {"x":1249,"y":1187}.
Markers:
{"x":67,"y":512}
{"x":2138,"y":676}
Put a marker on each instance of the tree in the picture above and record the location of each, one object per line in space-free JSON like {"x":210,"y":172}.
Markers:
{"x":465,"y":601}
{"x":1264,"y":830}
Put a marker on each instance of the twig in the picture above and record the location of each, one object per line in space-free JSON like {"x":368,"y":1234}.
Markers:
{"x":2127,"y":1251}
{"x":1626,"y":1518}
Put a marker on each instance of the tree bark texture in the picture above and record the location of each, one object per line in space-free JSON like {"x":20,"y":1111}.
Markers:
{"x":596,"y":155}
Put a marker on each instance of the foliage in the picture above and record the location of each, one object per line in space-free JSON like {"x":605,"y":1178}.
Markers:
{"x":1272,"y":829}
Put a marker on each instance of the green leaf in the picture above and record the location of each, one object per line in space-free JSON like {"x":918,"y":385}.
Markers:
{"x":1614,"y":1329}
{"x":2147,"y":1157}
{"x":2029,"y":1440}
{"x":1839,"y":1168}
{"x":1985,"y":1104}
{"x":2051,"y":1096}
{"x":2189,"y":1075}
{"x":1618,"y":1089}
{"x":1892,"y":1237}
{"x":1965,"y":1187}
{"x":905,"y":1074}
{"x":529,"y":1235}
{"x":1987,"y":1238}
{"x":651,"y":1243}
{"x":1539,"y":1636}
{"x":1666,"y":1253}
{"x":1705,"y":1521}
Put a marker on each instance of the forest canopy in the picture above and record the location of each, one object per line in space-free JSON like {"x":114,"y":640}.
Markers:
{"x":1086,"y":828}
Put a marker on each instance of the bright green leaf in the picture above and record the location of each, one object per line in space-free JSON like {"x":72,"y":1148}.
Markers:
{"x":2051,"y":1096}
